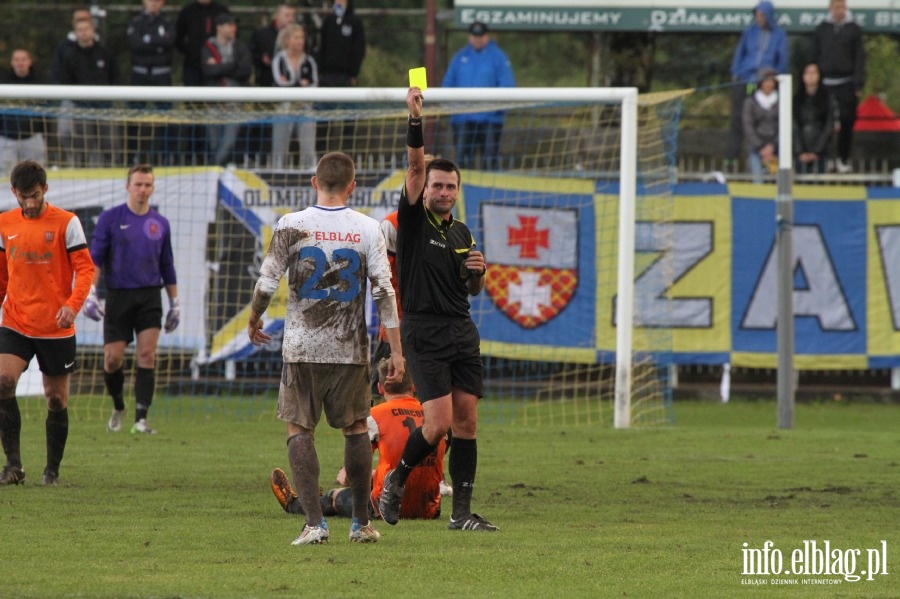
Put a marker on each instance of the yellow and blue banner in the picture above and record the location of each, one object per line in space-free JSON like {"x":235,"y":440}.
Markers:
{"x":550,"y":290}
{"x":704,"y":274}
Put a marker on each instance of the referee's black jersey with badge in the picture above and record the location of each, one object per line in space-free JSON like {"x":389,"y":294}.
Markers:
{"x":430,"y":256}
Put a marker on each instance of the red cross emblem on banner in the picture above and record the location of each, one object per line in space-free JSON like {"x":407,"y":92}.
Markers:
{"x":533,"y":261}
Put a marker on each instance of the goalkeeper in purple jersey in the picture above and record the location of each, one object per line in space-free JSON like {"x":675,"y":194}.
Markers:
{"x":132,"y":247}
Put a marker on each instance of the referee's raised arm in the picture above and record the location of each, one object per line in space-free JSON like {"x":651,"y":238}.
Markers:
{"x":415,"y":146}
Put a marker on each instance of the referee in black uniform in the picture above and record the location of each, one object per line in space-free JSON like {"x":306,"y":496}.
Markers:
{"x":439,"y":268}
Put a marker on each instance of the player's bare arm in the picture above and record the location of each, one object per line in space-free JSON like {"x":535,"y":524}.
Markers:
{"x":397,"y":365}
{"x":415,"y":150}
{"x":255,"y":324}
{"x":84,"y":269}
{"x":271,"y":271}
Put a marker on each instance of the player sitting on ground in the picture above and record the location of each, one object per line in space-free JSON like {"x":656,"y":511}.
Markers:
{"x":390,"y":424}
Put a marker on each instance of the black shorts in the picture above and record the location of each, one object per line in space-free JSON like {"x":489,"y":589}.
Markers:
{"x":56,"y":357}
{"x":443,"y":353}
{"x":130,"y":311}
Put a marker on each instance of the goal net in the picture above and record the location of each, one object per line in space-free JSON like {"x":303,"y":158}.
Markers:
{"x":578,"y":174}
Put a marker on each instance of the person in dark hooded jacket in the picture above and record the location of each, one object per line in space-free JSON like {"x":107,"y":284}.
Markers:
{"x":342,"y":48}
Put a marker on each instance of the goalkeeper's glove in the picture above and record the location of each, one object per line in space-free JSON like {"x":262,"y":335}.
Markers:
{"x":92,"y":308}
{"x":174,"y":315}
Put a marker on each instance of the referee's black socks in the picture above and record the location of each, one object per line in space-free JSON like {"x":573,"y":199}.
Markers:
{"x":462,"y":465}
{"x":416,"y":450}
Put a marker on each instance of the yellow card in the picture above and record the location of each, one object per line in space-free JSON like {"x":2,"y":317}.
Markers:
{"x":417,"y":78}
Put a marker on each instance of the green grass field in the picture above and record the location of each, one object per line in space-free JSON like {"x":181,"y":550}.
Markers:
{"x":585,"y":511}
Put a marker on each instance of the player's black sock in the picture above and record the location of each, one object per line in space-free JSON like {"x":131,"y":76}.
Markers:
{"x":144,"y":386}
{"x":358,"y":464}
{"x":115,"y":386}
{"x":416,"y":450}
{"x":57,"y":426}
{"x":305,"y":471}
{"x":462,"y":466}
{"x":11,"y":430}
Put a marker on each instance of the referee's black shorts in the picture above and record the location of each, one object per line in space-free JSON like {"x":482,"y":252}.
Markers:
{"x":442,"y":353}
{"x":129,"y":311}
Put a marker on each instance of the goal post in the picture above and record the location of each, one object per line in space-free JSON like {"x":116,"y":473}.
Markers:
{"x":576,"y":213}
{"x":625,"y":306}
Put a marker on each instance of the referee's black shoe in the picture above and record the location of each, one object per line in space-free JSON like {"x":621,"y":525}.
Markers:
{"x":391,"y":495}
{"x":472,"y":522}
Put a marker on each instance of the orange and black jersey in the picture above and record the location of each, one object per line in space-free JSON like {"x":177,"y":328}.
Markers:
{"x":39,"y":260}
{"x":390,"y":424}
{"x":430,"y":256}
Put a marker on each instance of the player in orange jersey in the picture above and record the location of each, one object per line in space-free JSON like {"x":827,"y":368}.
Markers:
{"x":45,"y":276}
{"x":390,"y":424}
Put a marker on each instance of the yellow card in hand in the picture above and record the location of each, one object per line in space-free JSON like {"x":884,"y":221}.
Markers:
{"x":417,"y":78}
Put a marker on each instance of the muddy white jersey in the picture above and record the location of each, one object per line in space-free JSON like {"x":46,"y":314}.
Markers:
{"x":329,"y":255}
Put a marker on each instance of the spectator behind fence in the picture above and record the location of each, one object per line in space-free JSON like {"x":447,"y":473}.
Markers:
{"x":342,"y":48}
{"x":263,"y":49}
{"x":263,"y":43}
{"x":68,"y":42}
{"x":226,"y":63}
{"x":21,"y":136}
{"x":838,"y":50}
{"x":813,"y":122}
{"x":151,"y":36}
{"x":65,"y":124}
{"x":89,"y":62}
{"x":480,"y":64}
{"x":761,"y":126}
{"x":196,"y":23}
{"x":293,"y":67}
{"x":762,"y":44}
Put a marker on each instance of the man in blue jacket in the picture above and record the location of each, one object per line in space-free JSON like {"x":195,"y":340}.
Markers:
{"x":480,"y":64}
{"x":762,"y":44}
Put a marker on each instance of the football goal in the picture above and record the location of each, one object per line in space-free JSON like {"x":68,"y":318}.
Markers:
{"x":572,"y":208}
